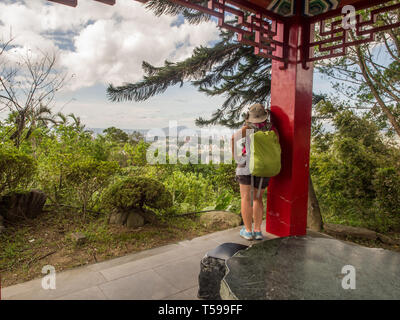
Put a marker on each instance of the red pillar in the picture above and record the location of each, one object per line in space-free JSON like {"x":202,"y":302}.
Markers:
{"x":291,"y":101}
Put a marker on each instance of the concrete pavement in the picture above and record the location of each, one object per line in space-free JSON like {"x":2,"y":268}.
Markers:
{"x":169,"y":272}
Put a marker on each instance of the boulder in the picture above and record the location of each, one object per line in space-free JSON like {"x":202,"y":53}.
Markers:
{"x":341,"y":230}
{"x":213,"y":269}
{"x":79,"y":238}
{"x":221,"y":219}
{"x":149,"y":216}
{"x":118,"y":217}
{"x":17,"y":206}
{"x":135,"y":220}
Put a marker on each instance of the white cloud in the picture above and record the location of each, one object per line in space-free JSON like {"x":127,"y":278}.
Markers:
{"x":110,"y":42}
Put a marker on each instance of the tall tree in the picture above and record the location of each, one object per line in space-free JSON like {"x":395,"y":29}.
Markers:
{"x":369,"y":75}
{"x":27,"y":88}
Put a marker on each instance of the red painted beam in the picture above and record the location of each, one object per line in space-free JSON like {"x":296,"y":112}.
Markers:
{"x":74,"y":3}
{"x":71,"y":3}
{"x":291,"y":100}
{"x":110,"y":2}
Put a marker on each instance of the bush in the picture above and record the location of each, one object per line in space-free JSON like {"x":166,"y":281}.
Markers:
{"x":224,"y":177}
{"x":88,"y":177}
{"x":138,"y":157}
{"x":16,"y":170}
{"x":387,"y":188}
{"x":137,"y":192}
{"x":190,"y":191}
{"x":56,"y":154}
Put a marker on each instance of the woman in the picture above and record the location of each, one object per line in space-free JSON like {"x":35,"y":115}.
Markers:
{"x":258,"y":118}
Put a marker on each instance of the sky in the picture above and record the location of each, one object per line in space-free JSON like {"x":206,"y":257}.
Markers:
{"x":99,"y":44}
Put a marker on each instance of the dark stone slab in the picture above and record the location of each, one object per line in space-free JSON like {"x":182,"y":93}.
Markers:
{"x":213,"y":268}
{"x":226,"y":250}
{"x":17,"y":206}
{"x":297,"y":268}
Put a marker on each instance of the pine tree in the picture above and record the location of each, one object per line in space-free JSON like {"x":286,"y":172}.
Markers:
{"x":228,"y":68}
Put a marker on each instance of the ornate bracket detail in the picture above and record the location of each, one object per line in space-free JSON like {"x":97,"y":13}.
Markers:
{"x":334,"y":39}
{"x":258,"y":29}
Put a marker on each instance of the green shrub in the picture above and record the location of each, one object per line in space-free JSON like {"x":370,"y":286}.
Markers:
{"x":88,"y":177}
{"x":206,"y":170}
{"x":16,"y":169}
{"x":137,"y":192}
{"x":224,"y":177}
{"x":138,"y":156}
{"x":190,"y":191}
{"x":387,"y":188}
{"x":57,"y":154}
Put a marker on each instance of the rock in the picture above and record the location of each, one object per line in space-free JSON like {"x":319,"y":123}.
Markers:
{"x":135,"y":220}
{"x":388,"y":240}
{"x":307,"y":268}
{"x":213,"y":269}
{"x":119,"y":218}
{"x":17,"y":206}
{"x":222,"y":219}
{"x":149,"y":216}
{"x":341,"y":230}
{"x":79,"y":238}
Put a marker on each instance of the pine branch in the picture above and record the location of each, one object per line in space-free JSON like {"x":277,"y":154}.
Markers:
{"x":161,"y":7}
{"x":157,"y":80}
{"x":228,"y":68}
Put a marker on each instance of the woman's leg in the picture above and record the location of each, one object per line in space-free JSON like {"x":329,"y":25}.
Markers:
{"x":247,"y":212}
{"x":258,"y":209}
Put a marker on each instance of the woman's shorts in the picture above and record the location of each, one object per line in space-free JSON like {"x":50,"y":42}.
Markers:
{"x":246,"y":180}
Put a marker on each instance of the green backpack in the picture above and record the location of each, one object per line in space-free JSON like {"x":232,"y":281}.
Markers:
{"x":265,"y":157}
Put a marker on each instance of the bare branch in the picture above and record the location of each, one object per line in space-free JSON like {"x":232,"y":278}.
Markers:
{"x":35,"y":82}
